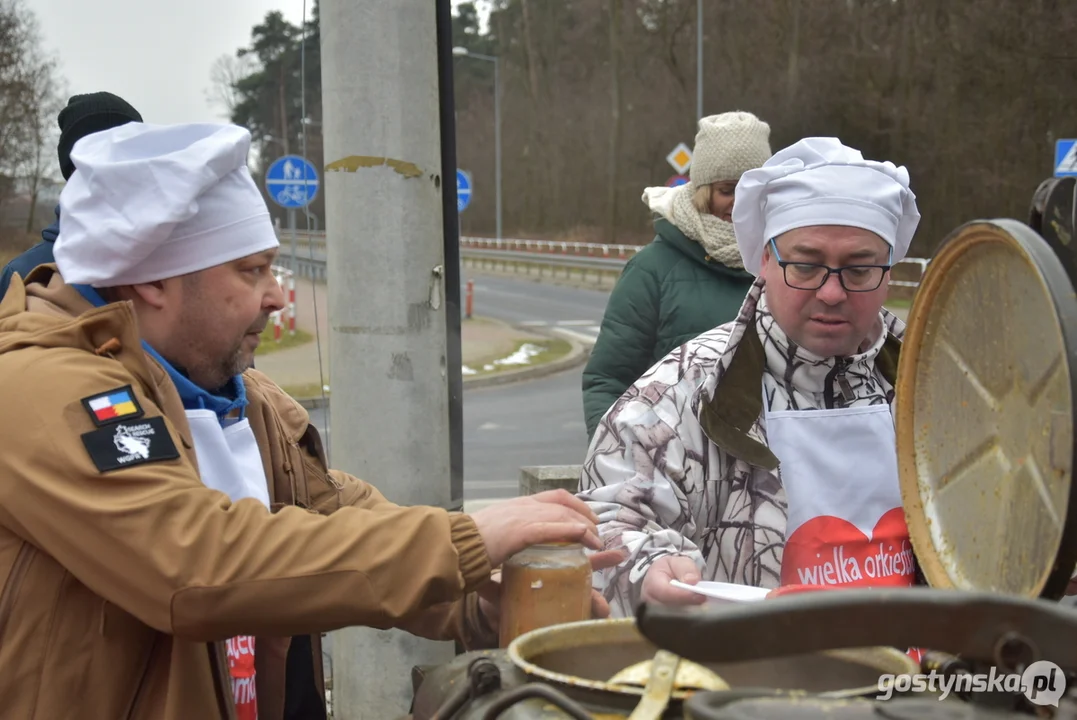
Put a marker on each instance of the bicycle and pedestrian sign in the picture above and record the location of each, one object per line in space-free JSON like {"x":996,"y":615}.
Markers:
{"x":292,"y":182}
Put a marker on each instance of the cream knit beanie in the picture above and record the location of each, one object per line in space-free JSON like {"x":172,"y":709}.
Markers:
{"x":728,"y":145}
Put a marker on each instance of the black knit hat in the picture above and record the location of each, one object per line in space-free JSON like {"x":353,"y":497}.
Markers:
{"x":87,"y":114}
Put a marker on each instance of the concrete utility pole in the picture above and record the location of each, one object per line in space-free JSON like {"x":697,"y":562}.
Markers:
{"x":390,"y":374}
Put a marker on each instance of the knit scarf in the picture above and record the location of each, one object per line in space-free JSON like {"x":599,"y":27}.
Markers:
{"x":714,"y":234}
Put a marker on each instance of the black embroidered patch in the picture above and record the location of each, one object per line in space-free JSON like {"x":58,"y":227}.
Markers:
{"x":113,"y":406}
{"x":129,"y":443}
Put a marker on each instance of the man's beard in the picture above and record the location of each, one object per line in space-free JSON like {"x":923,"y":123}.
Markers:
{"x":213,"y":375}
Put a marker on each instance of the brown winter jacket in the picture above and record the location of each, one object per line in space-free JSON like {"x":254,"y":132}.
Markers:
{"x":117,"y":588}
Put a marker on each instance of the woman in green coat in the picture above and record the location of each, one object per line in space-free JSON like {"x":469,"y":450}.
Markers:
{"x":690,"y":278}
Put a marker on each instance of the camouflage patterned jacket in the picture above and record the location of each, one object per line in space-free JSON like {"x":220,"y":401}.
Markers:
{"x":680,"y":464}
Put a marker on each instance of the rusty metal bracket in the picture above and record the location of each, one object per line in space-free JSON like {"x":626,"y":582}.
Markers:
{"x":483,"y":678}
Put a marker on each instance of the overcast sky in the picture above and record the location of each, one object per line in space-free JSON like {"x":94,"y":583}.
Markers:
{"x":156,"y":54}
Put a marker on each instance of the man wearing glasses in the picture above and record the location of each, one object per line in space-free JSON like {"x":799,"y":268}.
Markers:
{"x":763,"y":452}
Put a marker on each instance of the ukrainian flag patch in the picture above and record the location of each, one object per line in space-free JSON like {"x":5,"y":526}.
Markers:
{"x":113,"y":406}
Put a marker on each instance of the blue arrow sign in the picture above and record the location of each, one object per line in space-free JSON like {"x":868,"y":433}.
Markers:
{"x":1065,"y":158}
{"x":292,"y":181}
{"x":463,"y":190}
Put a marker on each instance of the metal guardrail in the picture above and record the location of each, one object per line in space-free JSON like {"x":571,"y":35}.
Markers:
{"x":535,"y":246}
{"x":585,"y":256}
{"x":310,"y":269}
{"x":542,"y":258}
{"x":553,"y":246}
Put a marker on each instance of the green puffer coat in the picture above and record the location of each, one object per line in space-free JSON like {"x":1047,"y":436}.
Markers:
{"x":670,"y":292}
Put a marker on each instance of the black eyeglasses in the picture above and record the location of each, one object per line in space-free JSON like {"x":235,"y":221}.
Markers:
{"x":812,"y":276}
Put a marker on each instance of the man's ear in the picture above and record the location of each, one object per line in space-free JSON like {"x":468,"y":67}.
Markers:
{"x":155,"y":294}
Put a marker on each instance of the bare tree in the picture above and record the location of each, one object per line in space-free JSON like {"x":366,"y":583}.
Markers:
{"x":44,"y":102}
{"x":15,"y":46}
{"x":29,"y":101}
{"x":970,"y":95}
{"x":225,"y":75}
{"x":615,"y":117}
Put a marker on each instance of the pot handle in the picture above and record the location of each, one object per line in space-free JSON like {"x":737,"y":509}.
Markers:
{"x":972,"y":625}
{"x":659,"y":687}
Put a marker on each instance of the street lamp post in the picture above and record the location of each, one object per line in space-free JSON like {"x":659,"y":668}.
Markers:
{"x":464,"y":52}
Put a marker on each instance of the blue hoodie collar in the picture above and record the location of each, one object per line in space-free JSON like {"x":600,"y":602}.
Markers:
{"x":193,"y":397}
{"x":52,"y":232}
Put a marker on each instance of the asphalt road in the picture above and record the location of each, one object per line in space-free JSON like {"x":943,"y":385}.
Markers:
{"x":535,"y":422}
{"x":566,"y":310}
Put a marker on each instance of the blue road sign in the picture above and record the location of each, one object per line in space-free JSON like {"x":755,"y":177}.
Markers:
{"x":1066,"y":158}
{"x":677,"y":180}
{"x":463,"y":190}
{"x":292,"y":181}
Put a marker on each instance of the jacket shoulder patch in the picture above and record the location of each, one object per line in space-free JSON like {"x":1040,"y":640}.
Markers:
{"x":129,"y":443}
{"x":113,"y":406}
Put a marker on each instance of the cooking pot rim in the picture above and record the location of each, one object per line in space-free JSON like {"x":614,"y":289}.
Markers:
{"x":884,"y":659}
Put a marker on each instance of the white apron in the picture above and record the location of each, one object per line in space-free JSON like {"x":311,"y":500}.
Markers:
{"x":228,"y":458}
{"x":229,"y":461}
{"x":846,"y":524}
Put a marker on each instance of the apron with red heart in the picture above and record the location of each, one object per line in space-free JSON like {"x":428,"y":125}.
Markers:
{"x":846,"y":524}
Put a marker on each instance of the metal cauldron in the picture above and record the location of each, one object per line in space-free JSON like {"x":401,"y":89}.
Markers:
{"x":797,"y":653}
{"x":579,"y":660}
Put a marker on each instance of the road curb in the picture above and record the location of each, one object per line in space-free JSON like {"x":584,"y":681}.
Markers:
{"x":577,"y":355}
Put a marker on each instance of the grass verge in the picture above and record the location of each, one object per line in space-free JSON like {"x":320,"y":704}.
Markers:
{"x":287,"y":340}
{"x":310,"y":390}
{"x":548,"y":350}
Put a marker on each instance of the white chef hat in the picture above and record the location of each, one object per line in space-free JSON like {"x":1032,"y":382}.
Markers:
{"x":149,"y":202}
{"x":820,"y":181}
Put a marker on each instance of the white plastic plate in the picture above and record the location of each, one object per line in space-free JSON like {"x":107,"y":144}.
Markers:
{"x":725,"y":591}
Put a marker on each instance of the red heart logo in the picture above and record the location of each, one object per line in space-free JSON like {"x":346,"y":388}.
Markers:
{"x":830,"y":551}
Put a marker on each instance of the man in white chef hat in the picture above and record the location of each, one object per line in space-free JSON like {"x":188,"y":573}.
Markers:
{"x":168,"y":514}
{"x":763,"y":452}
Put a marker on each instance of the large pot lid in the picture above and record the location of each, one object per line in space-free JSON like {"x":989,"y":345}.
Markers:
{"x":985,"y":414}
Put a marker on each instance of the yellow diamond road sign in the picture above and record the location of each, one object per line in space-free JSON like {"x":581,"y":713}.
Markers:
{"x":680,"y":158}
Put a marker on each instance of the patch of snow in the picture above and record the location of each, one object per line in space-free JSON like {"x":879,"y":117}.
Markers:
{"x":522,"y":356}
